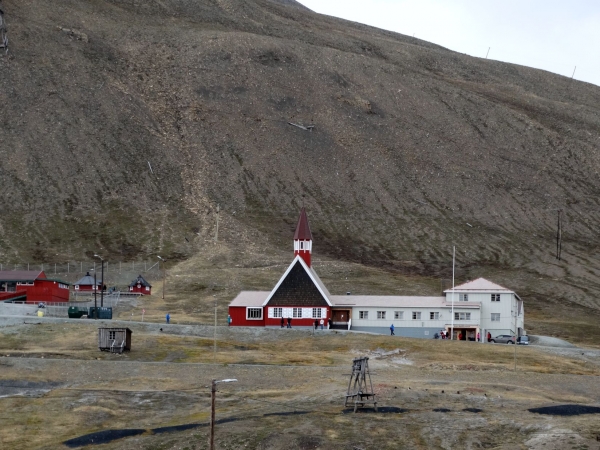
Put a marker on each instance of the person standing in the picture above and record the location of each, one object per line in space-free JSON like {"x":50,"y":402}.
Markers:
{"x":478,"y":336}
{"x":168,"y":317}
{"x":489,"y":336}
{"x":289,"y":322}
{"x":392,"y":330}
{"x":282,"y":322}
{"x":316,"y":323}
{"x":329,"y":323}
{"x":321,"y":322}
{"x":229,"y":320}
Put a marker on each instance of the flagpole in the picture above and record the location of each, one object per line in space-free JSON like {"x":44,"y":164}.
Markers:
{"x":452,"y":313}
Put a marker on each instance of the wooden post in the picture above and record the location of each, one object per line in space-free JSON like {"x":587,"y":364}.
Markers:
{"x":215,"y":336}
{"x":213,"y":394}
{"x":217,"y":230}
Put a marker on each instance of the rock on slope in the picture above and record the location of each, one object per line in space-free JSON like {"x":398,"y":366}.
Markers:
{"x":126,"y":130}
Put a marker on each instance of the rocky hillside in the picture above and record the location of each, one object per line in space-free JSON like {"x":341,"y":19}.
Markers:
{"x":124,"y":123}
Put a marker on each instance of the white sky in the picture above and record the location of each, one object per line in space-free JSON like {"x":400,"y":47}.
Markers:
{"x":554,"y":35}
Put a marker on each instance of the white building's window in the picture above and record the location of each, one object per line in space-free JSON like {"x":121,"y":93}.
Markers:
{"x":416,"y":315}
{"x":381,"y":314}
{"x":495,"y":297}
{"x":277,"y":312}
{"x":254,"y":313}
{"x":363,"y":314}
{"x":495,"y":317}
{"x":297,"y":313}
{"x":399,"y":315}
{"x":462,"y":316}
{"x":434,"y":315}
{"x":463,"y":297}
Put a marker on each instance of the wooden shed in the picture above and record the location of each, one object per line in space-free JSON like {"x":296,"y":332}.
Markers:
{"x":114,"y":340}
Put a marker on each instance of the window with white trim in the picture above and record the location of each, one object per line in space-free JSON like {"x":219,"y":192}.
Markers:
{"x":147,"y":288}
{"x":77,"y":287}
{"x":277,"y":312}
{"x":363,"y":314}
{"x":254,"y":313}
{"x":462,"y":316}
{"x":495,"y":297}
{"x":495,"y":317}
{"x":463,"y":297}
{"x":316,"y":313}
{"x":25,"y":283}
{"x":399,"y":315}
{"x":63,"y":286}
{"x":381,"y":314}
{"x":416,"y":315}
{"x":434,"y":315}
{"x":297,"y":313}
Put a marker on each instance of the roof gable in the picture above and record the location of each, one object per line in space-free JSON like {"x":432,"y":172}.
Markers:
{"x":299,"y":286}
{"x":479,"y":285}
{"x":88,"y":280}
{"x":303,"y":229}
{"x":21,"y":275}
{"x":140,"y":280}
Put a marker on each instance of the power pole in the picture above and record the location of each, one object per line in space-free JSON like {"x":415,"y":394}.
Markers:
{"x":213,"y":395}
{"x":95,"y":298}
{"x":215,"y":336}
{"x":164,"y":275}
{"x":102,"y":287}
{"x":559,"y":235}
{"x":217,"y":230}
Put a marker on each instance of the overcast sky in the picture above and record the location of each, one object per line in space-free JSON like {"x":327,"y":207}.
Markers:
{"x":554,"y":35}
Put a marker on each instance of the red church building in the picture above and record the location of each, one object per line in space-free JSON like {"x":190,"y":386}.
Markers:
{"x":31,"y":286}
{"x":299,"y":295}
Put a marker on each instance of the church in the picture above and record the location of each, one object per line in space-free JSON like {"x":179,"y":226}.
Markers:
{"x":475,"y":308}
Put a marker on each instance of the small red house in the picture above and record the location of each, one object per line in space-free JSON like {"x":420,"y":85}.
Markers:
{"x":141,"y":286}
{"x":300,"y":295}
{"x":87,"y":283}
{"x":31,"y":286}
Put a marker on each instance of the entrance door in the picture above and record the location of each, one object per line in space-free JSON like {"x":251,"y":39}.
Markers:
{"x":340,"y":316}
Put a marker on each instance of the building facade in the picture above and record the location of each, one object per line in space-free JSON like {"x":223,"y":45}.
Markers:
{"x":31,"y":286}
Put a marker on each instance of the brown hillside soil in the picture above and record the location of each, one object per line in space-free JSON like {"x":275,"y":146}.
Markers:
{"x":124,"y":123}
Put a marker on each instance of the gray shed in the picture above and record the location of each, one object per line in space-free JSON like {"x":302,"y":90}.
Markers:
{"x":114,"y":340}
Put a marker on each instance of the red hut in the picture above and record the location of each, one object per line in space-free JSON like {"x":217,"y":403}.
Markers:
{"x":31,"y":286}
{"x":87,"y":283}
{"x":141,"y":286}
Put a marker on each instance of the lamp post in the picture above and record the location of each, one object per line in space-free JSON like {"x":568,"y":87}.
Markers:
{"x":101,"y":281}
{"x":213,"y":395}
{"x":164,"y":274}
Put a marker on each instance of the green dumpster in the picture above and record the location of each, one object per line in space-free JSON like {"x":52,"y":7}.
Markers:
{"x":76,"y":312}
{"x":103,"y":312}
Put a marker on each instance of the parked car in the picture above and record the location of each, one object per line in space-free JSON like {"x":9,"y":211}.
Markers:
{"x":523,"y":340}
{"x":503,"y":339}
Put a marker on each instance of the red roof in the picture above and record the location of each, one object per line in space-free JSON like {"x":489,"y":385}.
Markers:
{"x":303,"y":229}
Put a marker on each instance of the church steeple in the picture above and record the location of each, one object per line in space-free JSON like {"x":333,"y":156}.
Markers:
{"x":303,"y":238}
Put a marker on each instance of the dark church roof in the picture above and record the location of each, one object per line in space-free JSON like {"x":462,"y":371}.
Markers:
{"x":140,"y":280}
{"x":303,"y":229}
{"x":299,"y":286}
{"x":88,"y":280}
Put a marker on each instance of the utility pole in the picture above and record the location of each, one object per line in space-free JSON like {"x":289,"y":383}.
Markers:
{"x":215,"y":336}
{"x":559,"y":235}
{"x":164,"y":275}
{"x":217,"y":230}
{"x":101,"y":281}
{"x":213,"y":397}
{"x":516,"y":332}
{"x":95,"y":293}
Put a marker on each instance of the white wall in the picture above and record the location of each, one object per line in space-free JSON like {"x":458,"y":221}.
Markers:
{"x":407,"y":320}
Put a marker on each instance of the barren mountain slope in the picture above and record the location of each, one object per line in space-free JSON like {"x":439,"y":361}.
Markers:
{"x":414,"y":147}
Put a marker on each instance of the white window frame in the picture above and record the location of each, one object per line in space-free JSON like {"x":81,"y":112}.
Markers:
{"x":399,"y":315}
{"x":381,"y":315}
{"x":317,"y":313}
{"x":25,"y":283}
{"x":416,"y":315}
{"x":495,"y":297}
{"x":463,"y":297}
{"x":434,"y":315}
{"x":363,"y":315}
{"x":254,"y":309}
{"x":462,"y":316}
{"x":277,"y":313}
{"x":77,"y":287}
{"x":495,"y":317}
{"x":297,"y":313}
{"x":147,"y":288}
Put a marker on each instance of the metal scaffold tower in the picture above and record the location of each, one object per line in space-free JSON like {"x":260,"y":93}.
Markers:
{"x":360,"y":388}
{"x":3,"y":36}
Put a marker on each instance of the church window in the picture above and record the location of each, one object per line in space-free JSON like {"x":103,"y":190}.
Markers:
{"x":297,"y":313}
{"x":316,"y":313}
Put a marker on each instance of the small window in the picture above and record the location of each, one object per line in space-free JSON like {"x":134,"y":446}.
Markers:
{"x":462,"y":316}
{"x":254,"y":313}
{"x":297,"y":313}
{"x":463,"y":297}
{"x":363,"y":314}
{"x":112,"y":334}
{"x":277,"y":312}
{"x":316,"y":313}
{"x":495,"y":317}
{"x":301,"y":245}
{"x":381,"y":314}
{"x":434,"y":315}
{"x":416,"y":315}
{"x":76,"y":287}
{"x":147,"y":288}
{"x":495,"y":297}
{"x":399,"y":315}
{"x":25,"y":283}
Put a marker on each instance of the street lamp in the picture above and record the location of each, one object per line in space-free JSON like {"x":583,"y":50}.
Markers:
{"x":164,"y":274}
{"x":95,"y":298}
{"x":213,"y":395}
{"x":101,"y":281}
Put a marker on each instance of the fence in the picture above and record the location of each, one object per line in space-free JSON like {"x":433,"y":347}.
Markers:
{"x":116,"y":273}
{"x":56,"y":309}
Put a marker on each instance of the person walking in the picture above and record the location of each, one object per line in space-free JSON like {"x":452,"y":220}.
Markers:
{"x":321,"y":322}
{"x":316,"y":324}
{"x":329,"y":323}
{"x":229,"y":320}
{"x":489,"y":336}
{"x":478,"y":336}
{"x":282,"y":322}
{"x":168,"y":317}
{"x":392,"y":330}
{"x":289,"y":322}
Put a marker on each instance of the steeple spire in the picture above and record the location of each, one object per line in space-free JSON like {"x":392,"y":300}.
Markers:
{"x":303,"y":238}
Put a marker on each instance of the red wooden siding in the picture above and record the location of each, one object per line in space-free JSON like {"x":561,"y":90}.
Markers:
{"x":238,"y":317}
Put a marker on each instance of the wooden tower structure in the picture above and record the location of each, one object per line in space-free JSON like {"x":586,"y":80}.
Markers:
{"x":360,"y":388}
{"x":303,"y":238}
